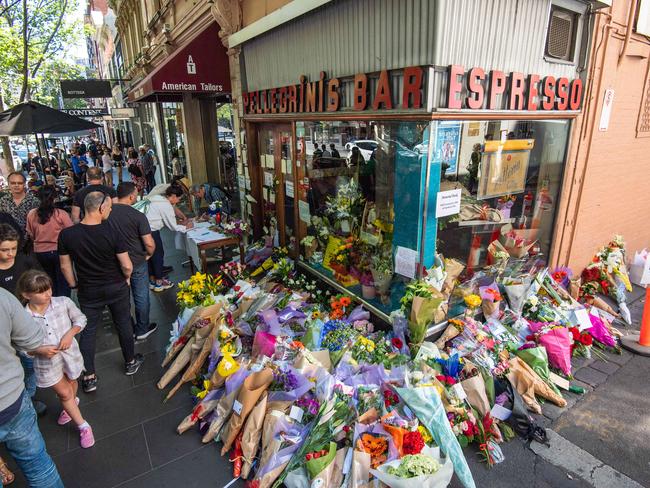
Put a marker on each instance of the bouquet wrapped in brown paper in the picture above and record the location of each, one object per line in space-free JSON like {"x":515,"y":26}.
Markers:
{"x":450,"y":332}
{"x":528,"y":384}
{"x":251,"y":435}
{"x":198,"y":318}
{"x":474,"y":387}
{"x":454,"y":268}
{"x":251,"y":391}
{"x":426,"y":311}
{"x":223,"y":409}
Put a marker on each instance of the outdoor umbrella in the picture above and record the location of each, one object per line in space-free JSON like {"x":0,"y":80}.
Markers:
{"x":33,"y":117}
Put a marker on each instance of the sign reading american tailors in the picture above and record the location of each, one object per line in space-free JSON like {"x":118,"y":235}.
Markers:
{"x":409,"y":89}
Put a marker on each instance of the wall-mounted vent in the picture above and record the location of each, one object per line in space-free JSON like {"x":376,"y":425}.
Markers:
{"x":561,"y":36}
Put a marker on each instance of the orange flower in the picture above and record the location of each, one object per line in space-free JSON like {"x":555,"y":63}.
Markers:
{"x":345,"y":301}
{"x":335,"y":304}
{"x":336,"y":314}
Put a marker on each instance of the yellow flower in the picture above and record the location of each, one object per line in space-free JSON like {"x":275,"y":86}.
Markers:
{"x":473,"y":301}
{"x":228,"y":348}
{"x":315,"y":314}
{"x":426,"y":435}
{"x":223,"y":334}
{"x":227,"y":366}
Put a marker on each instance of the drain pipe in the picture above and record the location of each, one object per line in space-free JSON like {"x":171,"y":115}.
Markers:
{"x":628,"y":31}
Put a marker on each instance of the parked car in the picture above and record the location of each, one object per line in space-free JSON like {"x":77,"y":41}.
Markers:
{"x":366,"y":146}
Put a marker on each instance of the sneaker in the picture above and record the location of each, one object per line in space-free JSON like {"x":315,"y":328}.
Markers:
{"x":152,"y":328}
{"x":89,"y":384}
{"x":40,"y":407}
{"x":152,"y":284}
{"x":134,"y":366}
{"x":163,"y":285}
{"x":64,"y":418}
{"x":86,"y":437}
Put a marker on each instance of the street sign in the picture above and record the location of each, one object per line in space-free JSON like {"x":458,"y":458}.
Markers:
{"x":122,"y":113}
{"x":85,"y":112}
{"x":86,"y":89}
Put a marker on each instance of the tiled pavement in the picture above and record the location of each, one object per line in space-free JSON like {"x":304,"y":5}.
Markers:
{"x":137,"y":445}
{"x":136,"y":440}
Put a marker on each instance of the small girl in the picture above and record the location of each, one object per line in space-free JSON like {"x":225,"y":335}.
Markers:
{"x":58,"y":362}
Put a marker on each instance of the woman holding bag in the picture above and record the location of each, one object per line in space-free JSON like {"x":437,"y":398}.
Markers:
{"x":118,"y":161}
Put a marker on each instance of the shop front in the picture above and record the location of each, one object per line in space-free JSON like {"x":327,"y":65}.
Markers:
{"x":370,"y":179}
{"x":182,"y":94}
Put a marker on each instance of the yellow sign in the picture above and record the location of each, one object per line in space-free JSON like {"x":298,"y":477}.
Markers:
{"x":504,"y":167}
{"x":333,"y":244}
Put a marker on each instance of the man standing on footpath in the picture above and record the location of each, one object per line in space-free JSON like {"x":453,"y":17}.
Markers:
{"x":95,"y":183}
{"x":132,"y":228}
{"x":18,"y":427}
{"x":18,"y":202}
{"x":103,"y":268}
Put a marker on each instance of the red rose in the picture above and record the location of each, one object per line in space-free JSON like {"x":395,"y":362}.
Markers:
{"x":586,"y":339}
{"x":575,"y":333}
{"x":397,"y":343}
{"x":413,"y":443}
{"x":450,"y":380}
{"x":440,"y":378}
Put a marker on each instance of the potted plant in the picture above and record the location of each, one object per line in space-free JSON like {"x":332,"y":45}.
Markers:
{"x":382,"y":273}
{"x":310,"y":244}
{"x":368,"y":290}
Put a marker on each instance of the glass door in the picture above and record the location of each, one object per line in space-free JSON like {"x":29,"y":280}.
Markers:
{"x":275,"y":143}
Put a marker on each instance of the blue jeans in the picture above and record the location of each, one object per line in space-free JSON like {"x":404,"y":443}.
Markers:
{"x":30,"y":375}
{"x":140,"y":293}
{"x":26,"y":445}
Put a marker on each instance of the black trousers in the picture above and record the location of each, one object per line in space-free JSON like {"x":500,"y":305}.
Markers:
{"x":92,"y":302}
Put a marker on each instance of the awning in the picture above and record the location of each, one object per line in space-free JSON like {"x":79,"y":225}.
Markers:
{"x":200,"y":67}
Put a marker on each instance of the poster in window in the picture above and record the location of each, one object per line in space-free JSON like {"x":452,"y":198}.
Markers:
{"x":504,"y":167}
{"x":447,"y":146}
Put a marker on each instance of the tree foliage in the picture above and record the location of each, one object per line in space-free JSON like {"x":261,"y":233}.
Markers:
{"x":35,"y":39}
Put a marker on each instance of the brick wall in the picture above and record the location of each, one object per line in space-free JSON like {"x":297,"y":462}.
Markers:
{"x":613,"y":197}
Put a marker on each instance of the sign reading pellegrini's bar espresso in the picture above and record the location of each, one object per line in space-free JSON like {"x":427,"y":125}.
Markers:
{"x":523,"y":92}
{"x":323,"y":95}
{"x":475,"y":90}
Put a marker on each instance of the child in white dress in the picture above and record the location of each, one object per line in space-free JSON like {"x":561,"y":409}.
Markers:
{"x":58,"y":362}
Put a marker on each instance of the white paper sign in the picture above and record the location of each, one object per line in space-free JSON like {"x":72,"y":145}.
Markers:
{"x":268,"y":179}
{"x":460,"y":391}
{"x":501,"y":413}
{"x":296,"y":413}
{"x":303,"y":211}
{"x":406,"y":261}
{"x":447,"y":203}
{"x":582,"y":316}
{"x":288,"y":188}
{"x":640,"y":268}
{"x":605,"y":114}
{"x":559,"y":381}
{"x":236,"y":407}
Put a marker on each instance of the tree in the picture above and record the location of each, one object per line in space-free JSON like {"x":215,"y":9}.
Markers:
{"x":34,"y":35}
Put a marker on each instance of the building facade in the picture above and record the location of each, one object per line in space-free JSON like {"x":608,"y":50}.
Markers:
{"x":447,"y":124}
{"x":605,"y":190}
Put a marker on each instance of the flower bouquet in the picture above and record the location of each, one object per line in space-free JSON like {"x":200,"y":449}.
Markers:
{"x":381,"y":269}
{"x":557,"y":341}
{"x":505,"y":204}
{"x":235,"y":228}
{"x":490,"y":300}
{"x":424,"y":305}
{"x":426,"y":470}
{"x":345,"y":207}
{"x":310,"y":244}
{"x":608,"y":274}
{"x":199,"y":290}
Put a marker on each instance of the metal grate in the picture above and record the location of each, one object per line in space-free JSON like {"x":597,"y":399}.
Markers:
{"x":561,"y":33}
{"x":644,"y":114}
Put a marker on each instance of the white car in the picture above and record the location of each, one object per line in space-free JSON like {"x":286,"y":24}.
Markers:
{"x":366,"y":146}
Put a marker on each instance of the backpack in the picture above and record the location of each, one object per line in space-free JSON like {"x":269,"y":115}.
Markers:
{"x":142,"y":205}
{"x":135,"y":170}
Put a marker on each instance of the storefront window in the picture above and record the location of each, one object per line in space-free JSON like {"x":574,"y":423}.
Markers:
{"x":174,"y":139}
{"x":509,"y":174}
{"x":360,"y":200}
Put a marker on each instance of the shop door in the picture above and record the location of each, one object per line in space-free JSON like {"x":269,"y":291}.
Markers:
{"x":276,"y":177}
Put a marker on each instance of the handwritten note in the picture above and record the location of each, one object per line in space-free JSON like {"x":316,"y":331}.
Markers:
{"x":406,"y":261}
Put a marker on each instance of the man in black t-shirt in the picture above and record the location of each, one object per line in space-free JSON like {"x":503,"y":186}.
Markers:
{"x":103,"y":271}
{"x":95,"y":183}
{"x":132,"y":227}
